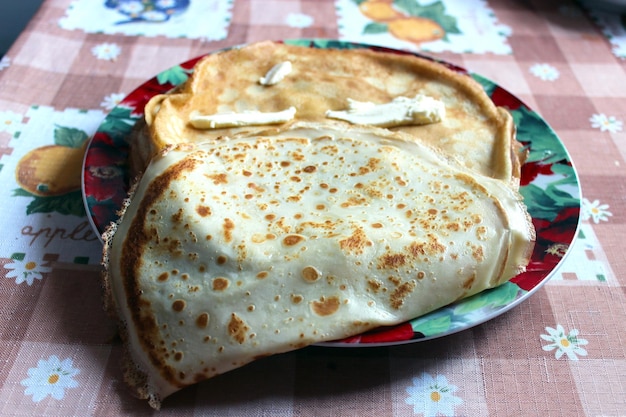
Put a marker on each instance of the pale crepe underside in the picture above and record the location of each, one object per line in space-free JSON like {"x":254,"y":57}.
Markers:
{"x":240,"y":248}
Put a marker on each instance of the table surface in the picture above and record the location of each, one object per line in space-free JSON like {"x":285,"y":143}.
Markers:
{"x":561,"y":352}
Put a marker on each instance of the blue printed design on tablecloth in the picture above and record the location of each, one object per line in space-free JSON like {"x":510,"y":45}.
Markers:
{"x":147,"y":10}
{"x":193,"y":19}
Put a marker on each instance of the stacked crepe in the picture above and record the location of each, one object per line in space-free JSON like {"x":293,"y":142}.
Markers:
{"x":475,"y":131}
{"x":242,"y":241}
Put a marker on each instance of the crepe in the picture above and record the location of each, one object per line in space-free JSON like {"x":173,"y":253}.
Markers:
{"x":475,"y":132}
{"x":239,"y":248}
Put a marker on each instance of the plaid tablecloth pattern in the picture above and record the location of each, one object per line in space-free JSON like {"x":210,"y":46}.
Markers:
{"x":562,"y":352}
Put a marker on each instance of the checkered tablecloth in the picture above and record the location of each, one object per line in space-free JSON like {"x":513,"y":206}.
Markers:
{"x":562,"y":352}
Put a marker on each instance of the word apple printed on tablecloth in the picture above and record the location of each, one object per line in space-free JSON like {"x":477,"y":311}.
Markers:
{"x":193,"y":19}
{"x":51,"y":377}
{"x":432,"y":397}
{"x":42,"y":185}
{"x":459,"y":26}
{"x":568,"y":344}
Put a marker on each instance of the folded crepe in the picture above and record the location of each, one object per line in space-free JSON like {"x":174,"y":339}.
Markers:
{"x":474,"y":131}
{"x":243,"y":247}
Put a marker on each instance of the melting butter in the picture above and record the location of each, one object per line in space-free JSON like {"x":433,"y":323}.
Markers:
{"x":401,"y":111}
{"x":246,"y":118}
{"x":276,"y":73}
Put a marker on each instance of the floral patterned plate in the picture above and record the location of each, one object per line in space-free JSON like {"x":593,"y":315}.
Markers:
{"x":549,"y":186}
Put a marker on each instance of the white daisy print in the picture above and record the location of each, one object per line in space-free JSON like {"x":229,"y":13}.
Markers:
{"x":546,"y":72}
{"x":595,"y":211}
{"x":132,"y":8}
{"x":606,"y":123}
{"x":568,"y":344}
{"x":51,"y":377}
{"x":298,"y":20}
{"x":154,"y":16}
{"x":112,"y":100}
{"x":432,"y":396}
{"x":5,"y":62}
{"x":26,"y":270}
{"x":10,"y":122}
{"x":106,"y":51}
{"x":165,"y":4}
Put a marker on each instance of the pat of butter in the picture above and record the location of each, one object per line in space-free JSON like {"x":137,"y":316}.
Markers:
{"x":401,"y":111}
{"x":246,"y":118}
{"x":276,"y":73}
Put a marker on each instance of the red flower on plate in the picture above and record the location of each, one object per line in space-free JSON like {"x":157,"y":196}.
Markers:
{"x":104,"y":174}
{"x":139,"y":97}
{"x":532,"y":170}
{"x":192,"y":62}
{"x":103,"y":215}
{"x":503,"y":98}
{"x":390,"y":334}
{"x":102,"y":139}
{"x":553,"y":240}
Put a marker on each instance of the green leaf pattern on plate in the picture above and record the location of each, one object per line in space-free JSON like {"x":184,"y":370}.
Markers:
{"x":119,"y":123}
{"x":532,"y":129}
{"x":323,"y":43}
{"x":488,"y":85}
{"x":175,"y":75}
{"x":545,"y":198}
{"x":456,"y":316}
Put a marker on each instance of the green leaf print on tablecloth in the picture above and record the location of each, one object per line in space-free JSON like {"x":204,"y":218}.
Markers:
{"x":69,"y":136}
{"x":70,"y":203}
{"x":50,"y":174}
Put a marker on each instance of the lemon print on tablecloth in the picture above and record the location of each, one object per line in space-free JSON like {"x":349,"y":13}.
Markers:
{"x":416,"y":29}
{"x":379,"y":10}
{"x":51,"y":170}
{"x":408,"y":20}
{"x":51,"y":174}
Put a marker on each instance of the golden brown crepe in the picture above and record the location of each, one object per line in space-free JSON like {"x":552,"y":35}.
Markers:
{"x":239,"y":248}
{"x":475,"y":131}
